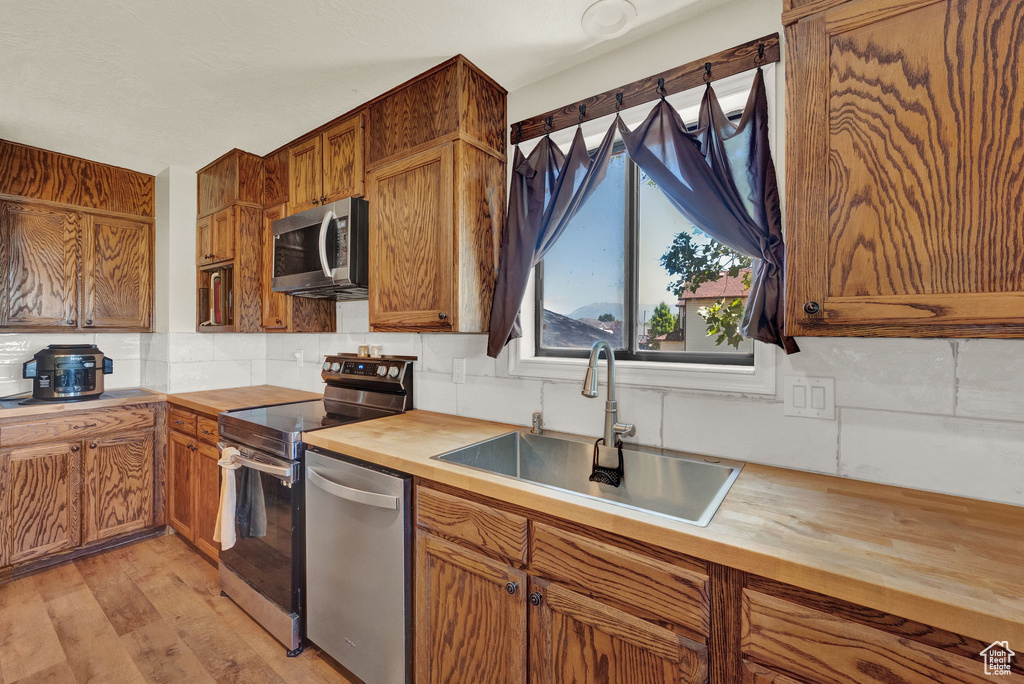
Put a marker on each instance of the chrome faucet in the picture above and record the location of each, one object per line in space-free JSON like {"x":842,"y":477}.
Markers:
{"x":612,"y":428}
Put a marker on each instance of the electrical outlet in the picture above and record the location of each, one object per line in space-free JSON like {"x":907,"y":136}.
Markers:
{"x":810,"y":397}
{"x":298,"y":358}
{"x":459,"y":371}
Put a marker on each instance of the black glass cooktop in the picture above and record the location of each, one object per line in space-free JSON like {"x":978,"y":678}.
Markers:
{"x":305,"y":416}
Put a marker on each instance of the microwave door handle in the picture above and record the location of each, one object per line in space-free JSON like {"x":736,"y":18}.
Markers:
{"x":328,"y":217}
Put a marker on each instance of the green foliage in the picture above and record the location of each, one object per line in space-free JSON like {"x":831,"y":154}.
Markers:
{"x":606,"y":318}
{"x":696,"y":263}
{"x":662,"y":321}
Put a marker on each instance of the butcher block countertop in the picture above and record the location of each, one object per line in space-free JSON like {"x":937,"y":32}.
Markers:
{"x":949,"y":562}
{"x":216,"y":401}
{"x":121,"y":397}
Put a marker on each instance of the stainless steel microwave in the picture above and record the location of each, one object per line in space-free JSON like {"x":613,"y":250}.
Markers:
{"x":322,"y":252}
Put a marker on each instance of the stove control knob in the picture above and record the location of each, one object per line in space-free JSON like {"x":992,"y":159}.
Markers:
{"x":327,"y":365}
{"x":335,"y":366}
{"x":393,"y":373}
{"x":382,"y":371}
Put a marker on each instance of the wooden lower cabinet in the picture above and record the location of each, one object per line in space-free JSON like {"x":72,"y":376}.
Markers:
{"x":471,"y":617}
{"x":117,"y":487}
{"x":193,"y":478}
{"x":577,"y":639}
{"x":40,"y":499}
{"x":756,"y":674}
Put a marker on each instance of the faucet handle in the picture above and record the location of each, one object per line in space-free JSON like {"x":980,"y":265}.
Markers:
{"x":624,"y":429}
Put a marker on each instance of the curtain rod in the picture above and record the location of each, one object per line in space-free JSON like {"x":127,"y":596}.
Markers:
{"x":698,"y":72}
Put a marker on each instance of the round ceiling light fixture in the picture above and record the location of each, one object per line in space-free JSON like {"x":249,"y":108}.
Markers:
{"x":608,"y":18}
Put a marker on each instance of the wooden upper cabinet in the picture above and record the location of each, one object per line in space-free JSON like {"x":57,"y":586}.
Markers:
{"x":471,"y":617}
{"x":903,"y":160}
{"x":215,"y":237}
{"x":39,"y":259}
{"x":305,"y":175}
{"x":576,"y":639}
{"x":342,"y":148}
{"x":236,"y":177}
{"x":275,"y":174}
{"x":117,"y":273}
{"x":40,"y":495}
{"x":275,"y":304}
{"x":117,"y":487}
{"x":412,"y":280}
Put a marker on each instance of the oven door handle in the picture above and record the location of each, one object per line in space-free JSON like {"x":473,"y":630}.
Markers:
{"x":328,"y":217}
{"x":282,"y":472}
{"x":350,"y":494}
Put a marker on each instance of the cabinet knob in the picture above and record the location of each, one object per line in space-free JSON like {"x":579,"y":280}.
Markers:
{"x":278,"y":321}
{"x":70,"y":321}
{"x":92,"y":445}
{"x":812,"y":307}
{"x":88,"y":321}
{"x":535,"y":598}
{"x":75,"y":448}
{"x":323,"y":199}
{"x":511,"y":587}
{"x":442,"y":315}
{"x":316,"y":202}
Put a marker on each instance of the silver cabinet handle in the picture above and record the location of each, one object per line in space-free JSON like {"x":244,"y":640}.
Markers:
{"x":350,"y":494}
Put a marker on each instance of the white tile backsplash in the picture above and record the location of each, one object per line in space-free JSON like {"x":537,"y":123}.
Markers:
{"x":434,"y":392}
{"x":499,"y":399}
{"x":354,"y":317}
{"x":185,"y":347}
{"x":990,"y":379}
{"x":232,"y":346}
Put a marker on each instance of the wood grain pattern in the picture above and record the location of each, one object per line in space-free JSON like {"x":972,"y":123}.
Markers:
{"x":180,"y":473}
{"x":182,"y":421}
{"x":673,"y":597}
{"x":482,"y":111}
{"x":41,"y":499}
{"x":118,"y":273}
{"x":206,"y":430}
{"x":411,"y":243}
{"x":827,"y":649}
{"x":248,"y":314}
{"x":480,"y":201}
{"x":490,"y":529}
{"x":40,"y":174}
{"x":312,"y":315}
{"x":39,"y":255}
{"x":75,"y":425}
{"x":117,"y":487}
{"x":136,"y":397}
{"x":206,"y":484}
{"x":276,"y":183}
{"x":204,"y":240}
{"x":469,"y":628}
{"x":576,"y":639}
{"x":343,"y":154}
{"x":423,"y":112}
{"x":729,"y":62}
{"x":276,"y":310}
{"x":756,"y":674}
{"x":918,"y":235}
{"x":224,"y":234}
{"x":305,"y":175}
{"x":795,"y":10}
{"x":236,"y":176}
{"x":726,"y":590}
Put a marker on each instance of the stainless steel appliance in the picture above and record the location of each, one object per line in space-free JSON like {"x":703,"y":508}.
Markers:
{"x":358,"y":566}
{"x":322,"y":252}
{"x":67,"y":372}
{"x":265,"y":572}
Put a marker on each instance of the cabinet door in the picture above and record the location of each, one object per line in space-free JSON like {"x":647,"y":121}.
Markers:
{"x":204,"y":241}
{"x":904,"y":192}
{"x":180,"y":474}
{"x":275,"y":304}
{"x":39,"y":258}
{"x":576,"y":639}
{"x":412,"y":258}
{"x":117,"y":491}
{"x":39,"y":501}
{"x":117,"y":273}
{"x":343,"y":159}
{"x":222,"y":234}
{"x":207,"y":492}
{"x":305,"y":175}
{"x":471,"y":616}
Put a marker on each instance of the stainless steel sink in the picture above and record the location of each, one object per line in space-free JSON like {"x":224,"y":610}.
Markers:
{"x":679,"y":486}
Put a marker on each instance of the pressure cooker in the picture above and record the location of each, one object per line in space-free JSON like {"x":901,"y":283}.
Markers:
{"x":67,"y":372}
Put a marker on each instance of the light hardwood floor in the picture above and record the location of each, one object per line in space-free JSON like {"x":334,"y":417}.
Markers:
{"x":149,"y":612}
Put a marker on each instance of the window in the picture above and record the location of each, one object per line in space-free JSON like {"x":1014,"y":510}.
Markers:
{"x":631,"y":270}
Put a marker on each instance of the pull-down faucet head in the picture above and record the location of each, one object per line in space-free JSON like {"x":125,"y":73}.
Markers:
{"x":590,"y":380}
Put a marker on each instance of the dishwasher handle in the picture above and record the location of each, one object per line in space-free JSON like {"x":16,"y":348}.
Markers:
{"x":351,"y":494}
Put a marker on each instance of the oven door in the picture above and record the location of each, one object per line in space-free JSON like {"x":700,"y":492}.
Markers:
{"x":311,"y":250}
{"x":269,"y":551}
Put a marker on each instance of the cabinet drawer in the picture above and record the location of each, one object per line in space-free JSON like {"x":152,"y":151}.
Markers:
{"x":207,"y":429}
{"x":505,"y":534}
{"x":78,"y":425}
{"x":646,"y":587}
{"x":831,"y":650}
{"x":182,"y":421}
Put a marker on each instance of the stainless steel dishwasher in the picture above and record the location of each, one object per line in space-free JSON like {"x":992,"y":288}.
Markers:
{"x":359,"y":566}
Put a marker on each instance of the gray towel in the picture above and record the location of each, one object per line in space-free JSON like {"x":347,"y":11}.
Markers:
{"x":251,"y":510}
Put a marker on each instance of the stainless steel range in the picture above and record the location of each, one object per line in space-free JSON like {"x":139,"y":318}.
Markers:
{"x":264,"y":572}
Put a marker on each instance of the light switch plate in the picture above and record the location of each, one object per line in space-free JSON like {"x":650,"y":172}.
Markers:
{"x":810,"y":397}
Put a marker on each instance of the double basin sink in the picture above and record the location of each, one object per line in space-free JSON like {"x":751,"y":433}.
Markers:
{"x":678,"y":486}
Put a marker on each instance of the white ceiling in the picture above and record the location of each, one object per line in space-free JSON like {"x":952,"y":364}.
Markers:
{"x":148,"y":84}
